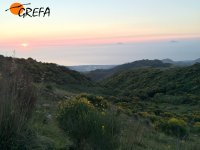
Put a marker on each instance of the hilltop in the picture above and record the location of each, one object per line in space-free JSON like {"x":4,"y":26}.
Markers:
{"x":49,"y":73}
{"x":181,"y":63}
{"x":100,"y":74}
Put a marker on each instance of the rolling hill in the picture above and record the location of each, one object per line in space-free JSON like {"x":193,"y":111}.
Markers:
{"x":100,"y":74}
{"x":181,"y":63}
{"x":148,"y":82}
{"x":47,"y":72}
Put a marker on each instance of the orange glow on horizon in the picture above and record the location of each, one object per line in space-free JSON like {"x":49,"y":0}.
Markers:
{"x":42,"y":41}
{"x":106,"y":40}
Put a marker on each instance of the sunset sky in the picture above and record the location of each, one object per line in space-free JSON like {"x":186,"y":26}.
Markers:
{"x":103,"y":31}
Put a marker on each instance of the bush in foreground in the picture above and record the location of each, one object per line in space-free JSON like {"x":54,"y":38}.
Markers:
{"x":87,"y":127}
{"x":175,"y":127}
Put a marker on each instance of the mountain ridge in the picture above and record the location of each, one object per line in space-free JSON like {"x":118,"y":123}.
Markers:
{"x":181,"y":63}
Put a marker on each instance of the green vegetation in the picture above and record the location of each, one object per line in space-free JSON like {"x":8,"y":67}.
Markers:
{"x":175,"y":127}
{"x":143,"y":106}
{"x":100,"y":74}
{"x":168,"y":99}
{"x":87,"y":127}
{"x":148,"y":83}
{"x":51,"y":74}
{"x":17,"y":99}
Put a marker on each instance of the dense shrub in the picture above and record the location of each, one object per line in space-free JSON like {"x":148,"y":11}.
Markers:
{"x":175,"y":127}
{"x":87,"y":127}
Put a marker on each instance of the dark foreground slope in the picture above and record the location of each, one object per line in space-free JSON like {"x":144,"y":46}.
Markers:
{"x":100,"y":74}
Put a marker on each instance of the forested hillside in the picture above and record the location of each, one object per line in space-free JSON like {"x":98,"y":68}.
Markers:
{"x":164,"y":98}
{"x":146,"y":83}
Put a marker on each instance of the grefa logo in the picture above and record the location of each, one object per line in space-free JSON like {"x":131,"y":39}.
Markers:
{"x":21,"y":10}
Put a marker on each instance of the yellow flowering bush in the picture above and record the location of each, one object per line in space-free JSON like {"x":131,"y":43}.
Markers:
{"x":87,"y":127}
{"x":177,"y":127}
